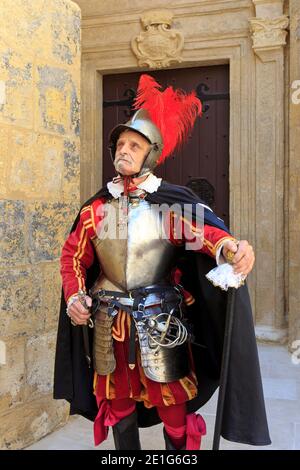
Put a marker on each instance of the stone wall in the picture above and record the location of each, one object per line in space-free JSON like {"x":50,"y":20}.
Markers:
{"x":39,"y":187}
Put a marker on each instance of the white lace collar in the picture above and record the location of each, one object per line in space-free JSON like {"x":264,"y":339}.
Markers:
{"x":150,"y":185}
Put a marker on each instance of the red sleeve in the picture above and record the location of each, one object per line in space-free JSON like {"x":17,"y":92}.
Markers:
{"x":206,"y":239}
{"x":213,"y":238}
{"x":77,"y":254}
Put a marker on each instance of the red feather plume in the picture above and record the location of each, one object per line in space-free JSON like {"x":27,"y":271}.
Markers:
{"x":172,"y":111}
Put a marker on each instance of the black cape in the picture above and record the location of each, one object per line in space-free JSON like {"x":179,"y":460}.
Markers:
{"x":244,"y":418}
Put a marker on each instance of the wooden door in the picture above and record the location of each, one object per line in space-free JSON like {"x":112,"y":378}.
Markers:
{"x":203,"y":163}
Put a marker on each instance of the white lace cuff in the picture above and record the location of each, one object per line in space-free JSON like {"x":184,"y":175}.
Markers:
{"x":223,"y":276}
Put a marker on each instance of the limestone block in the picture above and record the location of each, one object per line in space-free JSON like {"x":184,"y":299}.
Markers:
{"x":39,"y":358}
{"x":12,"y":231}
{"x":294,"y":201}
{"x":71,"y":174}
{"x":49,"y":224}
{"x":266,"y":304}
{"x":54,"y":100}
{"x":58,"y":102}
{"x":12,"y":374}
{"x":48,"y":159}
{"x":31,"y":421}
{"x":20,"y":302}
{"x":66,"y":32}
{"x":94,"y":7}
{"x":268,"y":8}
{"x":50,"y":28}
{"x":3,"y":160}
{"x":21,"y":173}
{"x":26,"y":25}
{"x":2,"y":92}
{"x":53,"y":33}
{"x":51,"y":294}
{"x":35,"y":161}
{"x":16,"y":72}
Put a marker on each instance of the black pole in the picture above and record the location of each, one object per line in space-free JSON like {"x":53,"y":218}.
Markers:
{"x":224,"y":368}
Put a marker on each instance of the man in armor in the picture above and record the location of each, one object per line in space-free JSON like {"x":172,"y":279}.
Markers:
{"x":121,"y":275}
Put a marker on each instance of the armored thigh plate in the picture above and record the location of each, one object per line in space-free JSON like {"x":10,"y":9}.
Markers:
{"x":162,"y":364}
{"x":104,"y":359}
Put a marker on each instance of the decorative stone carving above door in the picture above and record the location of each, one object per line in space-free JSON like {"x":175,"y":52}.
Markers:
{"x":159,"y":45}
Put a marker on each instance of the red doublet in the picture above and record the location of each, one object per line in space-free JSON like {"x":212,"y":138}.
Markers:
{"x":78,"y":256}
{"x":78,"y":252}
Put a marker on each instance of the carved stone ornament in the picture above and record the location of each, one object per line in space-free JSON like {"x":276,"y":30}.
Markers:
{"x":159,"y":45}
{"x":269,"y":33}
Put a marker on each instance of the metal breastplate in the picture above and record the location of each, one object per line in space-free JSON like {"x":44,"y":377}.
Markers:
{"x":132,"y":250}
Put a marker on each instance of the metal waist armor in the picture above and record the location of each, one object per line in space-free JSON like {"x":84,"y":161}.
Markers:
{"x":162,"y":339}
{"x":131,"y":249}
{"x":142,"y":258}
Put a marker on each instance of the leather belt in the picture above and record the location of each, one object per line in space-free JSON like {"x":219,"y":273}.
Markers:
{"x":151,"y":299}
{"x":137,"y":299}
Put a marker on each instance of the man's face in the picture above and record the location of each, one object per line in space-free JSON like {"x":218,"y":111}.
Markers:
{"x":131,"y":150}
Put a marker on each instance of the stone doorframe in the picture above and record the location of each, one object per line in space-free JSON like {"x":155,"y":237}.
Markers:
{"x":257,"y":162}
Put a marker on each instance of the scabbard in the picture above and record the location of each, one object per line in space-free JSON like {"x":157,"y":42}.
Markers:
{"x":131,"y":355}
{"x":85,"y":331}
{"x":86,"y":345}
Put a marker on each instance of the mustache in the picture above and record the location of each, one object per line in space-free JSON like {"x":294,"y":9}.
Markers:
{"x":126,"y":157}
